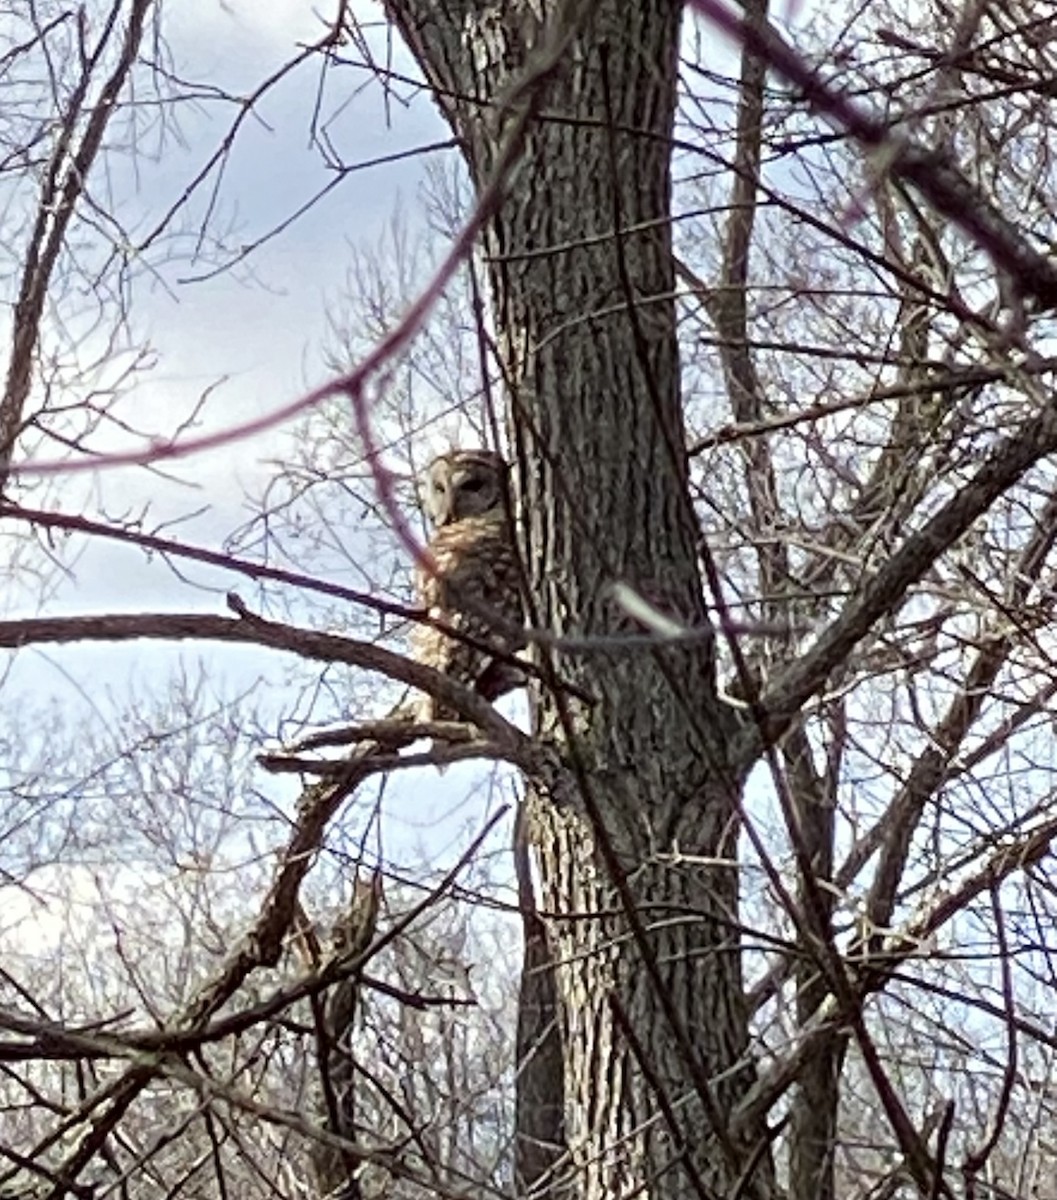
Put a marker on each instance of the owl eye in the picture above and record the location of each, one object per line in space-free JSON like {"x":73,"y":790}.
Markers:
{"x":473,"y":485}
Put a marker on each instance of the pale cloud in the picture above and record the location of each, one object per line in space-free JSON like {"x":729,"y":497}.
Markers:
{"x":251,"y":336}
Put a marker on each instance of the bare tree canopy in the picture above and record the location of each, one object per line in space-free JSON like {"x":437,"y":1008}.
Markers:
{"x":724,"y":872}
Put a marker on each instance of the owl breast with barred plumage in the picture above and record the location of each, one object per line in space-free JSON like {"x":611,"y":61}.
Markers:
{"x":473,"y":581}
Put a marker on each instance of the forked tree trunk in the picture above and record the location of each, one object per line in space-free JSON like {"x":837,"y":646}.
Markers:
{"x":651,"y":1006}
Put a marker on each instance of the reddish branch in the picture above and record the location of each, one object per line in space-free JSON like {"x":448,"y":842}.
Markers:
{"x":931,"y":172}
{"x":169,"y":547}
{"x":520,"y":105}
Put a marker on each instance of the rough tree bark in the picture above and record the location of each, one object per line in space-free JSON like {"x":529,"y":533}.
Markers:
{"x":642,"y":804}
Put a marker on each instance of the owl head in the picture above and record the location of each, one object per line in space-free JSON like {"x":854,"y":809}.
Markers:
{"x":464,"y":483}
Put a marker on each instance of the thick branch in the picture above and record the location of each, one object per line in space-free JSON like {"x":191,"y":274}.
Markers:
{"x":883,"y":592}
{"x":878,"y":969}
{"x":308,"y":643}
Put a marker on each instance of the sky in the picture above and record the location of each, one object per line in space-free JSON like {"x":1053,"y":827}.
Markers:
{"x":254,"y":334}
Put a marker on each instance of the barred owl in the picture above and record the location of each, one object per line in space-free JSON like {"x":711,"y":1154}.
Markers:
{"x":476,"y":576}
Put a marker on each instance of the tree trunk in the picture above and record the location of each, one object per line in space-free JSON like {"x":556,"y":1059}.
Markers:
{"x":540,"y":1102}
{"x":642,"y":920}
